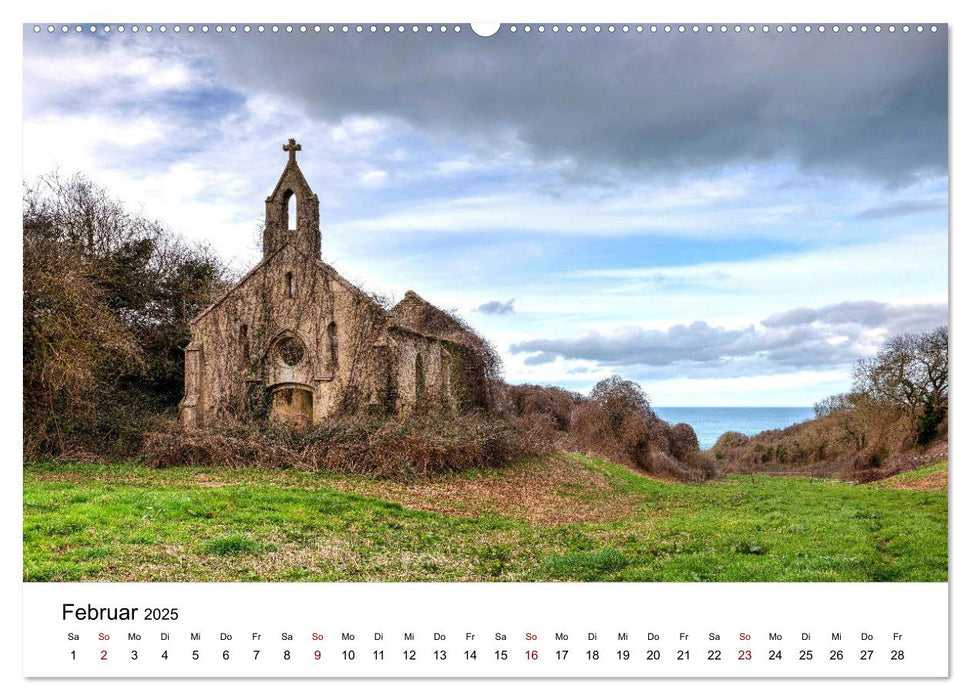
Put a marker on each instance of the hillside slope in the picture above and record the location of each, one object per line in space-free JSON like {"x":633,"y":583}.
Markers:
{"x":570,"y":517}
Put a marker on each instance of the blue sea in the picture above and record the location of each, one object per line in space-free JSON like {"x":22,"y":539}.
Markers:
{"x":710,"y":422}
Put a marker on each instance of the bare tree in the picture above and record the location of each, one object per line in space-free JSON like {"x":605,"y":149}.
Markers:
{"x":108,"y":295}
{"x":911,"y":372}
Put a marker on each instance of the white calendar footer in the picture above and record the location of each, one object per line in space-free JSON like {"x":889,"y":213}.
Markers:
{"x":485,"y":629}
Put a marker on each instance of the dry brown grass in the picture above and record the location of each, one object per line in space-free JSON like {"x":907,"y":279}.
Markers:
{"x":553,"y":491}
{"x":932,"y":478}
{"x":405,"y":448}
{"x":932,"y":482}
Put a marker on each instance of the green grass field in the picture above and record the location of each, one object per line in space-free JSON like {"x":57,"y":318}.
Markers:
{"x":571,"y":517}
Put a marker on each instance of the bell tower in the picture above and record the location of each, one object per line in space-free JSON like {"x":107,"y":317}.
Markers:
{"x":293,"y":210}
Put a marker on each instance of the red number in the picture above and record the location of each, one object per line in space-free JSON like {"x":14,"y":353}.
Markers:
{"x":744,"y":654}
{"x":104,"y":655}
{"x":317,"y":654}
{"x":532,"y":655}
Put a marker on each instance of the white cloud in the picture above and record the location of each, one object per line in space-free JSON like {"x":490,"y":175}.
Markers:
{"x":356,"y":127}
{"x":812,"y":338}
{"x":456,"y":165}
{"x":374,"y":178}
{"x":73,"y":142}
{"x":75,"y":65}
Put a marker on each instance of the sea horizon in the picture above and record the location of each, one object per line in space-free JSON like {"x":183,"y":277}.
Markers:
{"x":710,"y":422}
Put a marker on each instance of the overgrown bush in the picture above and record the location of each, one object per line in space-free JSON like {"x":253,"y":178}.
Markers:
{"x":614,"y":421}
{"x":702,"y":464}
{"x":682,"y":440}
{"x":108,"y":296}
{"x":398,"y":448}
{"x":731,"y":439}
{"x":552,"y":402}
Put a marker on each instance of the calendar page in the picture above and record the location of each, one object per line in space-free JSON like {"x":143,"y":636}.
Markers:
{"x":538,"y":350}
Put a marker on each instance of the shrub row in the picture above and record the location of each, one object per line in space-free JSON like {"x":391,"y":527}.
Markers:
{"x":616,"y":422}
{"x":401,"y":448}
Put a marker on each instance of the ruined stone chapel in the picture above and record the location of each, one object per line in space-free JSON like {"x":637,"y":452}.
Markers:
{"x":293,"y":341}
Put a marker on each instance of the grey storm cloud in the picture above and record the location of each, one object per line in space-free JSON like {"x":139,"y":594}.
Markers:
{"x":801,"y":338}
{"x":903,"y":208}
{"x":540,"y":358}
{"x":871,"y":105}
{"x":896,"y":319}
{"x":496,"y":307}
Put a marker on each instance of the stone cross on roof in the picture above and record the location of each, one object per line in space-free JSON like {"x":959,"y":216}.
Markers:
{"x":292,"y":147}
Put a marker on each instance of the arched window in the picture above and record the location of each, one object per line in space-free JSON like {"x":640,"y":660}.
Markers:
{"x":291,"y":351}
{"x":332,"y":343}
{"x":419,"y":378}
{"x":290,"y":210}
{"x":288,"y":287}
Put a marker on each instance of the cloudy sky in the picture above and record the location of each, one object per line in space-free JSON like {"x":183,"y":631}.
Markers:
{"x":730,"y":219}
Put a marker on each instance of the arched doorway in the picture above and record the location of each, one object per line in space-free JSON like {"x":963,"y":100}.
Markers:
{"x":292,"y":404}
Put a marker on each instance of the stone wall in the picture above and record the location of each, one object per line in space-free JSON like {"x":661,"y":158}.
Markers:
{"x":293,"y":322}
{"x":422,"y":372}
